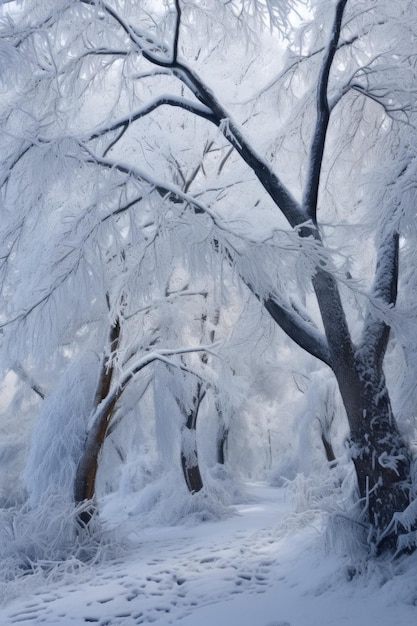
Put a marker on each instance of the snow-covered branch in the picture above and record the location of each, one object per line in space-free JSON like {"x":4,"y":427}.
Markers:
{"x":300,"y":331}
{"x":163,"y":100}
{"x":323,"y":116}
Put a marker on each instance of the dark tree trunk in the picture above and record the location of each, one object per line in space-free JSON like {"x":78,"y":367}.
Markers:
{"x":328,"y":449}
{"x":189,"y":453}
{"x":222,"y":435}
{"x":381,"y":456}
{"x":222,"y":445}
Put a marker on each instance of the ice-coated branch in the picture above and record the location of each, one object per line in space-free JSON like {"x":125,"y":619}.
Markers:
{"x":322,"y":118}
{"x":296,"y":326}
{"x":304,"y":334}
{"x":133,"y":34}
{"x":157,"y":355}
{"x":297,"y":60}
{"x":163,"y":100}
{"x":165,"y":190}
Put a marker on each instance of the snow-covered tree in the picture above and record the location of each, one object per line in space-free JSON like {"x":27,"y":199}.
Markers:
{"x":139,"y":135}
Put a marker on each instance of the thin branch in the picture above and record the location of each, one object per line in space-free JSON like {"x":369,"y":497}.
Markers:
{"x":116,"y":139}
{"x":177,"y":31}
{"x":24,"y":376}
{"x":183,"y":103}
{"x":323,"y":118}
{"x":165,"y":190}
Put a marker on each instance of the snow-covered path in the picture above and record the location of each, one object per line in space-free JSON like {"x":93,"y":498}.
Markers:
{"x":244,"y":570}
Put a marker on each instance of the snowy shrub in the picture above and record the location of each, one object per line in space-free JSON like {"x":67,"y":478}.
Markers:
{"x":47,"y":542}
{"x":167,"y":502}
{"x":59,"y":432}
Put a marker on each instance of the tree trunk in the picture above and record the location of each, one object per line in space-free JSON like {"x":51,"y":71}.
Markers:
{"x":328,"y":449}
{"x":381,"y":457}
{"x":85,"y":478}
{"x":222,"y":445}
{"x":189,"y":453}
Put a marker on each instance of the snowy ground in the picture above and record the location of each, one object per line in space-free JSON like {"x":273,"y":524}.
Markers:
{"x":254,"y":568}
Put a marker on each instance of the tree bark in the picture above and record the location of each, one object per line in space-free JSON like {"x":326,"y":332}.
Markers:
{"x":328,"y":449}
{"x":189,"y":453}
{"x":222,"y":445}
{"x":381,"y":456}
{"x":85,"y":478}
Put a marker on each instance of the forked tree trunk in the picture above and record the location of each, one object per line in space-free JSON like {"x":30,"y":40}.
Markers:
{"x":380,"y":454}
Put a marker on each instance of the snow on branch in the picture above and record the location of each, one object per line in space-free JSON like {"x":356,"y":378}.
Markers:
{"x":302,"y":332}
{"x":323,"y":117}
{"x":161,"y":355}
{"x":167,"y":100}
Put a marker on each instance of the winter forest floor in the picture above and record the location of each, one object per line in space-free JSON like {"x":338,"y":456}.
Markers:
{"x":260,"y":566}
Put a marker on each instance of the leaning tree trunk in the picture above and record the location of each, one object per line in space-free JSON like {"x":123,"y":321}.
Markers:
{"x":85,"y":478}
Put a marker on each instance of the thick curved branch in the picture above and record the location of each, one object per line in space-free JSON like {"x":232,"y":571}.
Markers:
{"x":83,"y":485}
{"x":262,"y":170}
{"x":304,"y":334}
{"x":272,"y":184}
